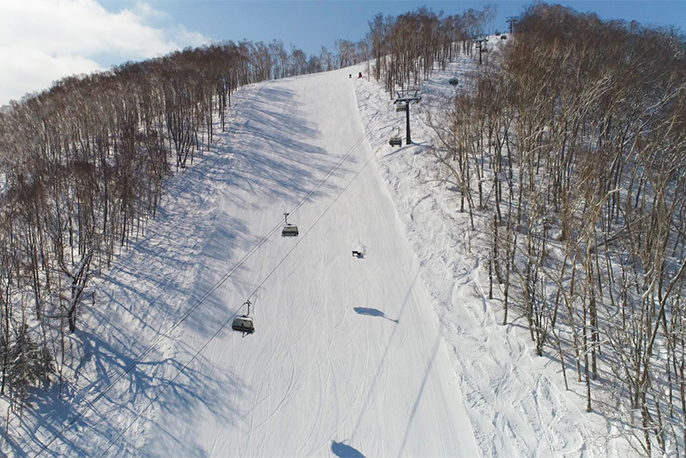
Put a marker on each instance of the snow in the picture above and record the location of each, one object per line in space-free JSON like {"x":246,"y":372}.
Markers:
{"x":516,"y":400}
{"x":396,"y":353}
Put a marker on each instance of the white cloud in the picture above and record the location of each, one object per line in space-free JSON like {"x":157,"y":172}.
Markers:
{"x":183,"y":35}
{"x":44,"y":40}
{"x":25,"y":70}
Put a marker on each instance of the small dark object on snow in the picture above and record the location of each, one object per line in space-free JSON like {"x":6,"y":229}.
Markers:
{"x":360,"y":75}
{"x":503,"y":37}
{"x":350,"y":75}
{"x":396,"y":141}
{"x":358,"y":254}
{"x":453,"y":81}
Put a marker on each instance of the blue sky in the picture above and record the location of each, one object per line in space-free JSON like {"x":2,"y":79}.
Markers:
{"x":312,"y":24}
{"x":44,"y":40}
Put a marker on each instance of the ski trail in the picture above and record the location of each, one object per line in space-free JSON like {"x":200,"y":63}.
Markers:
{"x":337,"y":342}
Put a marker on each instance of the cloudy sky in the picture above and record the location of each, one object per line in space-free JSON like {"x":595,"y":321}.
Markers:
{"x":42,"y":41}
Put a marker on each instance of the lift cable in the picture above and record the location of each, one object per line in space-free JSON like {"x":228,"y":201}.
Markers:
{"x":219,"y":283}
{"x":274,"y":269}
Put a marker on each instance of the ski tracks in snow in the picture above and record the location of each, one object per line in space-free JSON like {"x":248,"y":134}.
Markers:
{"x":346,"y":350}
{"x":515,"y":408}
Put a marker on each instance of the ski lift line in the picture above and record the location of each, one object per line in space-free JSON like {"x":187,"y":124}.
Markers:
{"x":165,"y":334}
{"x":254,"y":292}
{"x":345,"y":188}
{"x":317,"y":186}
{"x":220,"y":282}
{"x":311,"y":192}
{"x":197,"y":353}
{"x":336,"y":166}
{"x":173,"y":379}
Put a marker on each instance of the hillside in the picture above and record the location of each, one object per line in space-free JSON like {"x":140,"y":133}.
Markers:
{"x":516,"y":401}
{"x":508,"y":284}
{"x":347,"y":354}
{"x":397,"y":353}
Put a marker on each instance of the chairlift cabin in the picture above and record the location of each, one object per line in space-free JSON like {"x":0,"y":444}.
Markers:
{"x":243,"y":323}
{"x":396,"y":141}
{"x":289,"y":230}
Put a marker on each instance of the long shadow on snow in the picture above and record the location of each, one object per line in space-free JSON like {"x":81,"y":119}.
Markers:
{"x":280,"y":162}
{"x":427,"y":371}
{"x":141,"y":384}
{"x":373,"y":312}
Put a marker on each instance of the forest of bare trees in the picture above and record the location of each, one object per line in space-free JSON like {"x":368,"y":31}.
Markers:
{"x":408,"y":47}
{"x":82,"y":168}
{"x":572,"y":155}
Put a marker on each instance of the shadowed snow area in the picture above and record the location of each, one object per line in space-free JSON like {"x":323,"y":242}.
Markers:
{"x":314,"y":371}
{"x":324,"y":373}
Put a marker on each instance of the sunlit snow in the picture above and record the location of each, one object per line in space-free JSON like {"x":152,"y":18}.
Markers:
{"x":396,"y":352}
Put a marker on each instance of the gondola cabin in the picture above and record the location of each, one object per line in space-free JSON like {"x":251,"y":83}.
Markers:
{"x":396,"y":141}
{"x":290,"y":231}
{"x":243,"y":324}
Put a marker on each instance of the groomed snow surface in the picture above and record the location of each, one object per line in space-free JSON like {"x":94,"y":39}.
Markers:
{"x":395,"y":353}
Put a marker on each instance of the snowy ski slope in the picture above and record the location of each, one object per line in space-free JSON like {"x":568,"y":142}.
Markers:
{"x":347,"y":352}
{"x":347,"y":358}
{"x":351,"y":356}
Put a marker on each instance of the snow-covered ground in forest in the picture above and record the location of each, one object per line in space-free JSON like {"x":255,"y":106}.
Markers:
{"x":516,"y":401}
{"x":396,"y":353}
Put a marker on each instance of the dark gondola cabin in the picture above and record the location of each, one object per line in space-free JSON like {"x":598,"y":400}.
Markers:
{"x":243,"y":324}
{"x":289,"y":230}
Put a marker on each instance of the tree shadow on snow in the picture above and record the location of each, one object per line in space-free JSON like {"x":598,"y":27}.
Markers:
{"x":117,"y":381}
{"x":278,"y":157}
{"x":124,"y":395}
